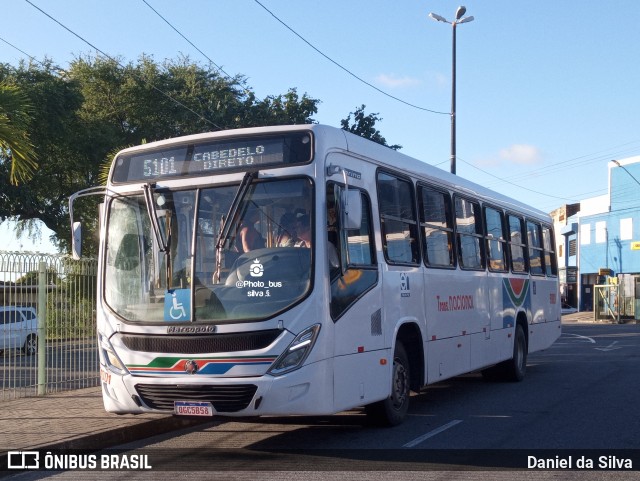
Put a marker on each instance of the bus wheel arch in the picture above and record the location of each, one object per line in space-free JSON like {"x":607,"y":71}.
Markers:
{"x":407,"y":374}
{"x":411,"y":338}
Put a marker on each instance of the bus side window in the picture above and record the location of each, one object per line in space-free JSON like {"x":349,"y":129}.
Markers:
{"x":516,"y":244}
{"x":550,"y":260}
{"x":534,"y":238}
{"x":398,"y":220}
{"x":436,"y":224}
{"x":469,"y":234}
{"x":496,"y":242}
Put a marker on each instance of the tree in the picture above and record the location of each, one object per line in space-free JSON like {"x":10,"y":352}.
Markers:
{"x":15,"y":146}
{"x":364,"y":126}
{"x":54,"y":131}
{"x":81,"y":115}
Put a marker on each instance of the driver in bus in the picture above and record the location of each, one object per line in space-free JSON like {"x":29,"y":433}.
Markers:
{"x":303,"y":231}
{"x":249,"y":238}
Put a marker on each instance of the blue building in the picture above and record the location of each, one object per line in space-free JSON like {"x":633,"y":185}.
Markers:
{"x":608,"y":243}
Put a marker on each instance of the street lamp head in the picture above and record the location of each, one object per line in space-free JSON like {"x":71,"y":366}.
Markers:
{"x":438,"y":18}
{"x":466,"y":19}
{"x":460,"y":12}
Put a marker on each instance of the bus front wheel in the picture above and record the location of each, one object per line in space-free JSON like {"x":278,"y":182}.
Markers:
{"x":393,"y":410}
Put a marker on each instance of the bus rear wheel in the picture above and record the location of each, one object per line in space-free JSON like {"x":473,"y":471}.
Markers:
{"x":393,"y":410}
{"x":514,"y":369}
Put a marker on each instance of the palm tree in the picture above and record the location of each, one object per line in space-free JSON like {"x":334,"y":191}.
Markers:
{"x":15,"y":145}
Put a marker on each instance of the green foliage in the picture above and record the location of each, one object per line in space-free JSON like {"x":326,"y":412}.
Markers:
{"x":15,"y":146}
{"x":364,"y":126}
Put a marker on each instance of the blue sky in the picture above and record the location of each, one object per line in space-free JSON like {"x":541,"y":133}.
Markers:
{"x":547,"y":91}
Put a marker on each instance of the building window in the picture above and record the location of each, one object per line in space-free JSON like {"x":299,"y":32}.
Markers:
{"x":585,"y":234}
{"x":626,"y":229}
{"x":573,"y":248}
{"x":601,"y":232}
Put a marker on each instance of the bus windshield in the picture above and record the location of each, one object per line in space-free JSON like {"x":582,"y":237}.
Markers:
{"x":162,"y":264}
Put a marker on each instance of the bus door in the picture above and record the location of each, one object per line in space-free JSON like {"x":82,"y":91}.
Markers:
{"x":355,"y":303}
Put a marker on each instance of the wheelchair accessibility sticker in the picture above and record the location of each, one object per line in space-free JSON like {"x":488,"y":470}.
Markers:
{"x":177,"y":305}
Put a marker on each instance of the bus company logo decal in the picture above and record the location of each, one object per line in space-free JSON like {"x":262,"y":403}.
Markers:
{"x":455,"y":303}
{"x":516,"y":290}
{"x":191,"y":367}
{"x":405,"y":287}
{"x":515,"y":296}
{"x":163,"y":366}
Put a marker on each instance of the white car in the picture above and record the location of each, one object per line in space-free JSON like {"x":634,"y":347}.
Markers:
{"x":18,"y":329}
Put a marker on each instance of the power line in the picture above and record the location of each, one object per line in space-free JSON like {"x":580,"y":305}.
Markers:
{"x":202,"y":117}
{"x":513,"y":183}
{"x":32,"y":58}
{"x":346,"y":69}
{"x":220,"y":69}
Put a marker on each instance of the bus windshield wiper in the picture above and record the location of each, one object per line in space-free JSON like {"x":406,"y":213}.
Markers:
{"x":163,"y":242}
{"x":228,"y":221}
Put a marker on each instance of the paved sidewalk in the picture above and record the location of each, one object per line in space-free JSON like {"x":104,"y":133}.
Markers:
{"x":76,"y":420}
{"x":579,"y":317}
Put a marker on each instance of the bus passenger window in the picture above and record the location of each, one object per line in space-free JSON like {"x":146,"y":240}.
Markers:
{"x":516,"y":244}
{"x":550,"y":260}
{"x":398,"y":220}
{"x":469,"y":234}
{"x":436,"y":224}
{"x":534,"y":239}
{"x":496,"y":251}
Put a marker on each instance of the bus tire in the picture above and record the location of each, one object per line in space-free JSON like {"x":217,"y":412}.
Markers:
{"x":514,"y":369}
{"x":393,"y":410}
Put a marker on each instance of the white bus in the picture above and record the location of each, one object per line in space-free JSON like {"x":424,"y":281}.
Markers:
{"x":305,"y":270}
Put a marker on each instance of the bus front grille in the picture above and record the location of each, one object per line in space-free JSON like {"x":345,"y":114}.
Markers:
{"x":225,"y":398}
{"x":213,"y":343}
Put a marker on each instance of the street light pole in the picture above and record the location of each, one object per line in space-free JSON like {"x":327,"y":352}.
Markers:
{"x":625,"y":169}
{"x":458,"y":19}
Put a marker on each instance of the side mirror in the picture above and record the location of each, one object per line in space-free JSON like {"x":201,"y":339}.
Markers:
{"x":352,"y":208}
{"x":76,"y":240}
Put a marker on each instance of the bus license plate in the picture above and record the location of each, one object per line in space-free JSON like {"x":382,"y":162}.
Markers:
{"x":189,"y":408}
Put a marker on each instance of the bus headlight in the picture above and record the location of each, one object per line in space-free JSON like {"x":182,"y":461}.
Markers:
{"x":296,"y":353}
{"x":109,"y":357}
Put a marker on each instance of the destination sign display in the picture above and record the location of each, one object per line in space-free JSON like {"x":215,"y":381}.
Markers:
{"x":213,"y":157}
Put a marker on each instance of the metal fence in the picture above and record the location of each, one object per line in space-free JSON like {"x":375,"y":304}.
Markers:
{"x":47,"y":324}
